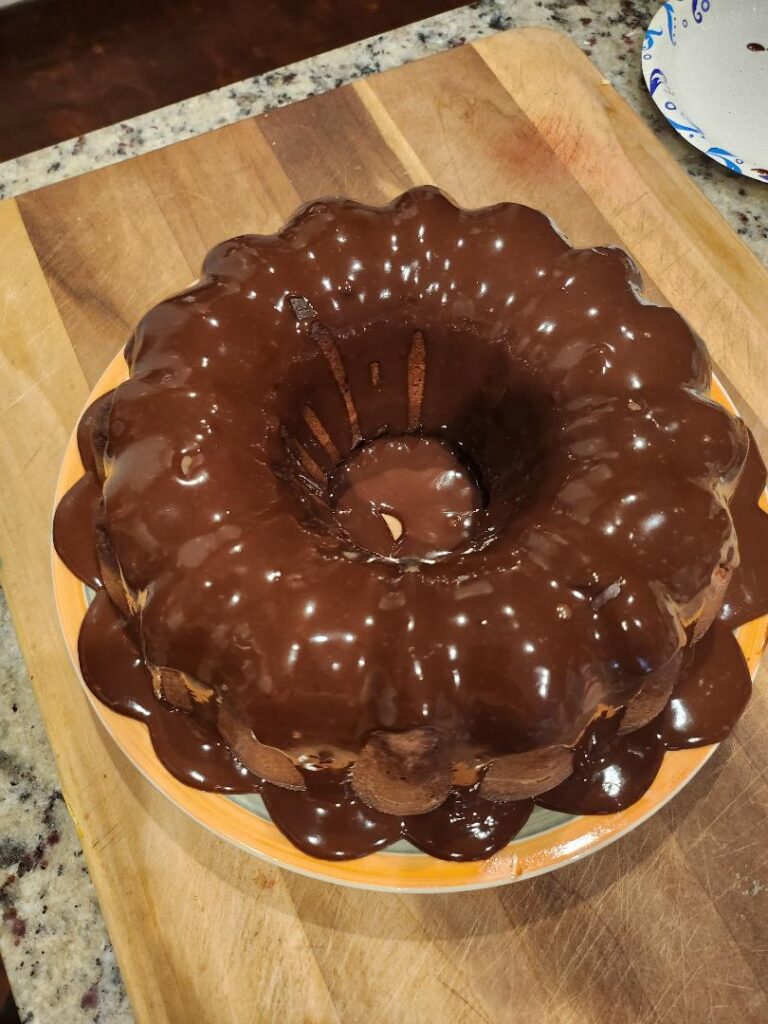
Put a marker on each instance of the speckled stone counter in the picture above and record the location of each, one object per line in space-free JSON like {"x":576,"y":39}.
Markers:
{"x":609,"y":31}
{"x":52,"y":938}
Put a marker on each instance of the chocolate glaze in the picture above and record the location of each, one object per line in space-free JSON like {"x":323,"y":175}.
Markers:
{"x":82,"y":505}
{"x":612,"y":772}
{"x":467,"y":827}
{"x":747,"y":595}
{"x":596,"y":492}
{"x":110,"y":664}
{"x":329,"y":820}
{"x":712,"y":692}
{"x":190,"y":748}
{"x":428,"y":496}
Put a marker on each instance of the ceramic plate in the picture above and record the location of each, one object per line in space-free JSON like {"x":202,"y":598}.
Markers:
{"x":549,"y":840}
{"x":705,"y":63}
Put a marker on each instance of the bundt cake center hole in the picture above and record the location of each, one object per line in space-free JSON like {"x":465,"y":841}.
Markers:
{"x":406,"y":498}
{"x":410,"y":443}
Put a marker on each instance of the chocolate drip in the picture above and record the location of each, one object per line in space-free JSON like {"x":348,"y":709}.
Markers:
{"x":747,"y":595}
{"x":74,"y":529}
{"x":570,"y":517}
{"x":110,"y":664}
{"x":194,"y":752}
{"x":92,"y":434}
{"x":612,"y":774}
{"x":712,"y":692}
{"x":189,"y":747}
{"x":328,"y":820}
{"x":467,"y":827}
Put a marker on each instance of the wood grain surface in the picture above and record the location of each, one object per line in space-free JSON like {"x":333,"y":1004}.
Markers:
{"x":668,"y":925}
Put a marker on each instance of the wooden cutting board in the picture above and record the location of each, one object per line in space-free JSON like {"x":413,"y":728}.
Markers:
{"x":671,"y":923}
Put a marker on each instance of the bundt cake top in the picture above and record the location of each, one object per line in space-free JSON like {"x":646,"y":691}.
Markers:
{"x":416,"y":468}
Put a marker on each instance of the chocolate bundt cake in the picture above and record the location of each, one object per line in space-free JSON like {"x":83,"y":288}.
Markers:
{"x":408,"y":517}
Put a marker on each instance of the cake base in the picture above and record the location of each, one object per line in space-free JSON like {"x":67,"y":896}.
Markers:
{"x":549,"y":840}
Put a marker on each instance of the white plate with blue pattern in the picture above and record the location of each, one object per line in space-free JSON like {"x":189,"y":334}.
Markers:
{"x":705,"y":63}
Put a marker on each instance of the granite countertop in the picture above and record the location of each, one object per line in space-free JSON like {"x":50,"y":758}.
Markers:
{"x":53,"y":939}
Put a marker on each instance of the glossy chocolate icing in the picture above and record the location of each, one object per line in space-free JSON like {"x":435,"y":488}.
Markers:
{"x":712,"y":692}
{"x":611,"y":771}
{"x":406,"y":498}
{"x":572,"y":506}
